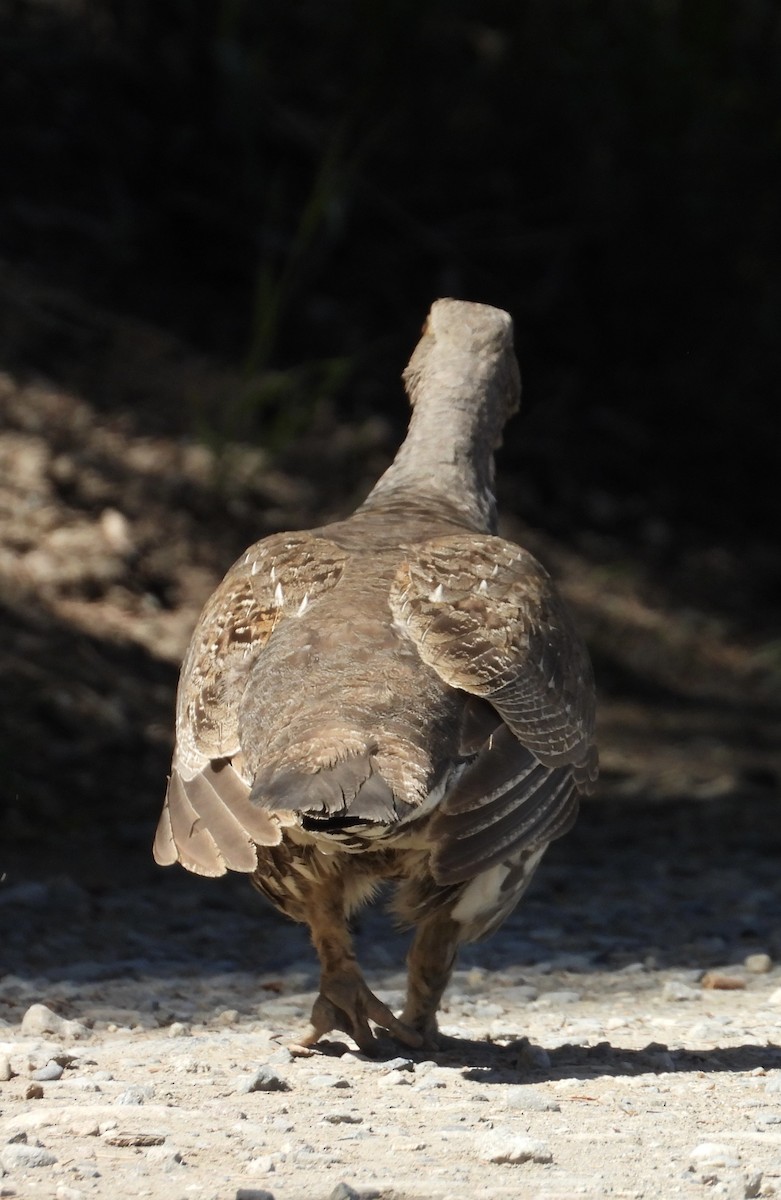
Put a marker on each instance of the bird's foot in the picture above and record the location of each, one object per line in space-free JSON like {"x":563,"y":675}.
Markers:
{"x":345,"y":1003}
{"x":424,"y":1024}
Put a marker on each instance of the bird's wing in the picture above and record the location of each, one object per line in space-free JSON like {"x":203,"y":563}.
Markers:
{"x":209,"y":823}
{"x":486,"y":617}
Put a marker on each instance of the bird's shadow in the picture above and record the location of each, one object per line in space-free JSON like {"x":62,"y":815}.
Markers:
{"x":522,"y":1062}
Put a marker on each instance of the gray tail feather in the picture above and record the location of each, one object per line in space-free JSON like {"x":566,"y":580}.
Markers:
{"x":350,"y":789}
{"x":209,"y":824}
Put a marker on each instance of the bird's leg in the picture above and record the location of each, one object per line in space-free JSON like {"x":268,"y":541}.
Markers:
{"x":345,"y":1001}
{"x":429,"y":964}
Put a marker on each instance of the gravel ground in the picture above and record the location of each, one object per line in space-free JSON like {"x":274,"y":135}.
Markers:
{"x":618,"y":1037}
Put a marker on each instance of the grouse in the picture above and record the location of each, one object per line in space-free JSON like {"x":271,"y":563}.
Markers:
{"x":401,"y":696}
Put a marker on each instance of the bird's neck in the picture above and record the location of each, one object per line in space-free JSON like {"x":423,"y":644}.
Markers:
{"x":446,"y":462}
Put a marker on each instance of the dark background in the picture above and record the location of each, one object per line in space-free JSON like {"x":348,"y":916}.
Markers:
{"x":281,"y":189}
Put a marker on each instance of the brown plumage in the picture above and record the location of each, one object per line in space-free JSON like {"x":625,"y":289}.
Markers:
{"x":398,"y":696}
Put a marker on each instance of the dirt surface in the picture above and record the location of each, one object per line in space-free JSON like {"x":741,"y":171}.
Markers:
{"x":618,"y":1037}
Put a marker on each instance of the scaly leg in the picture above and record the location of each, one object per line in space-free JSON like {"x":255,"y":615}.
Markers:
{"x":345,"y":1002}
{"x":430,"y":963}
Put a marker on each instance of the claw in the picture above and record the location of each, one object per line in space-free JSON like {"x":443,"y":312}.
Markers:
{"x":345,"y":1003}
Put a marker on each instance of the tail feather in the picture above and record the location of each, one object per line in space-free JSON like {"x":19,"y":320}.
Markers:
{"x":350,"y":789}
{"x":196,"y":849}
{"x":210,"y":825}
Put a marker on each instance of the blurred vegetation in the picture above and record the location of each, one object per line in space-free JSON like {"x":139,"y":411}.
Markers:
{"x":288,"y":185}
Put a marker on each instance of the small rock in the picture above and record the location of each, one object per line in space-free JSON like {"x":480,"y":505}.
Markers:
{"x":719,"y":981}
{"x":328,"y":1081}
{"x":20,"y":1157}
{"x":165,"y":1157}
{"x":115,"y":528}
{"x":398,"y":1064}
{"x":254,"y":1194}
{"x":714,"y":1154}
{"x":343,"y":1191}
{"x":515,"y":1148}
{"x":262,"y":1164}
{"x":342,"y":1118}
{"x":429,"y":1082}
{"x":395,"y":1078}
{"x":282,"y":1057}
{"x":758,"y":964}
{"x":775,"y":997}
{"x":68,"y":1193}
{"x":41,"y":1020}
{"x":5,"y":1069}
{"x":51,"y":1071}
{"x":677,"y":991}
{"x":261,"y":1080}
{"x":137,"y":1094}
{"x":179,"y":1029}
{"x":525,"y":1054}
{"x":133,"y":1137}
{"x":753,"y":1185}
{"x":518,"y":1096}
{"x":34,"y":1092}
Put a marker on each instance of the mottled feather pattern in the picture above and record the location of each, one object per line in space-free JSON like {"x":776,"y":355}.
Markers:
{"x":281,"y":574}
{"x":484,"y":614}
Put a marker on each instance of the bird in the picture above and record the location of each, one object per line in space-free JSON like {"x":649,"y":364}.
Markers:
{"x":398,"y":698}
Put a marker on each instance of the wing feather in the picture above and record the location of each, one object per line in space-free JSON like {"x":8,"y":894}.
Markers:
{"x":210,"y":823}
{"x":486,"y":617}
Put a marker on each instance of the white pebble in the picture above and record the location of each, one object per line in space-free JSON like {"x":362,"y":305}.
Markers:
{"x":674,"y":989}
{"x":395,"y":1078}
{"x":758,"y":964}
{"x":520,"y":1097}
{"x":514,"y":1148}
{"x":39,"y":1019}
{"x":137,"y":1094}
{"x":166,"y":1158}
{"x":68,"y":1193}
{"x":5,"y":1069}
{"x":775,"y":997}
{"x":262,"y":1165}
{"x":714,"y":1154}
